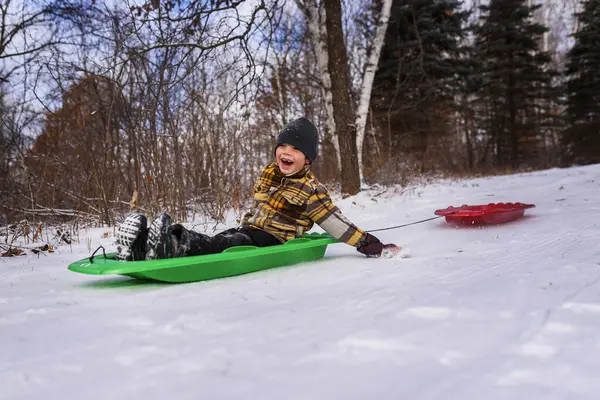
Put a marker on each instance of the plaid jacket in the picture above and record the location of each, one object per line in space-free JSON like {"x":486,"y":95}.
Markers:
{"x":286,"y":207}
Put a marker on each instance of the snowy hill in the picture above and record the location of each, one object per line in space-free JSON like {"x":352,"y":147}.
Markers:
{"x":504,"y":312}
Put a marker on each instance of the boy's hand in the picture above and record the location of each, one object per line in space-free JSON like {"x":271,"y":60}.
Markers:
{"x":372,"y":247}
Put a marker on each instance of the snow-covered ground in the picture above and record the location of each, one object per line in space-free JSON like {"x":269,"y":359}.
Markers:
{"x":503,"y":312}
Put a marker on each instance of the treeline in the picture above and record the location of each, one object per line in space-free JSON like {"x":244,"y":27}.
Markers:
{"x":180,"y":102}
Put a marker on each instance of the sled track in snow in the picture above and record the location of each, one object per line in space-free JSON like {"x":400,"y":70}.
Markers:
{"x":535,"y":249}
{"x":457,"y":277}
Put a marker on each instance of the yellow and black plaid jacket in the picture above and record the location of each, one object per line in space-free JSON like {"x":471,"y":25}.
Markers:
{"x":286,"y":207}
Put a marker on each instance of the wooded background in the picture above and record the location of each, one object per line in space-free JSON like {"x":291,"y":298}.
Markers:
{"x":181,"y":101}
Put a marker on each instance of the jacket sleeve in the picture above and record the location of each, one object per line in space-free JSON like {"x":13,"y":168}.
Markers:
{"x":322,"y":211}
{"x":256,"y":194}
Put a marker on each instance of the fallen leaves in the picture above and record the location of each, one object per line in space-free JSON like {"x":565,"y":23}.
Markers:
{"x":12,"y":252}
{"x":46,"y":247}
{"x":16,"y":251}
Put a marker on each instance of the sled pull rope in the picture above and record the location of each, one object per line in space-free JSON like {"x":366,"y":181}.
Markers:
{"x":95,"y":251}
{"x":409,"y":224}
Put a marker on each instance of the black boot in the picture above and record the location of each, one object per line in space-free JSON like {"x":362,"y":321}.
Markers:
{"x":159,"y":238}
{"x":131,"y":238}
{"x":180,"y":240}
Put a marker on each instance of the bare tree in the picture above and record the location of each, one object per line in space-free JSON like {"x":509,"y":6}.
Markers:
{"x":28,"y":29}
{"x":367,"y":81}
{"x":13,"y":119}
{"x":206,"y":32}
{"x":314,"y":12}
{"x":343,"y":106}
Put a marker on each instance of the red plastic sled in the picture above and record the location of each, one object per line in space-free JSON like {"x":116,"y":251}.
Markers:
{"x":492,"y":213}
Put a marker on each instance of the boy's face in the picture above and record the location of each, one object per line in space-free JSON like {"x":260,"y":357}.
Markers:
{"x":289,"y":159}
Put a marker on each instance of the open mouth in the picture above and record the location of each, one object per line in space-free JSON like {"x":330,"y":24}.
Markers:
{"x":287,"y":162}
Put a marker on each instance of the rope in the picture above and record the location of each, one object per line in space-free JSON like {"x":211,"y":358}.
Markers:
{"x":409,"y":224}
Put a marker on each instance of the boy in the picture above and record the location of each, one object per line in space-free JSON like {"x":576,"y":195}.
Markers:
{"x":288,"y":200}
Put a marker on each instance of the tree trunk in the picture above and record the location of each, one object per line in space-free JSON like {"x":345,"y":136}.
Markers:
{"x":342,"y":101}
{"x":513,"y":132}
{"x":367,"y":83}
{"x":315,"y":18}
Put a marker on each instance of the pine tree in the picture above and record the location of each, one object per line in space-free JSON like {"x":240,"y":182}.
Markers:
{"x":582,"y":138}
{"x":515,"y":82}
{"x":417,"y":78}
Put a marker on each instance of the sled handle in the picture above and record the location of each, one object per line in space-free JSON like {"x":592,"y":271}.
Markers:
{"x":94,"y":253}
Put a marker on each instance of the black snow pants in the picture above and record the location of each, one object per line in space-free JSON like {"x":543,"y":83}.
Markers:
{"x":190,"y":243}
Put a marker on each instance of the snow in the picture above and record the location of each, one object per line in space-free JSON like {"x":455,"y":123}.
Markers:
{"x":503,"y":312}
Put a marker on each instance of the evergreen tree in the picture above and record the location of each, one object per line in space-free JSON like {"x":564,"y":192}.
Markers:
{"x":417,"y":78}
{"x":582,"y":138}
{"x":515,"y":90}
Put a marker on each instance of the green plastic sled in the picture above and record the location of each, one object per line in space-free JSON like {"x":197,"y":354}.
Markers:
{"x":233,"y":261}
